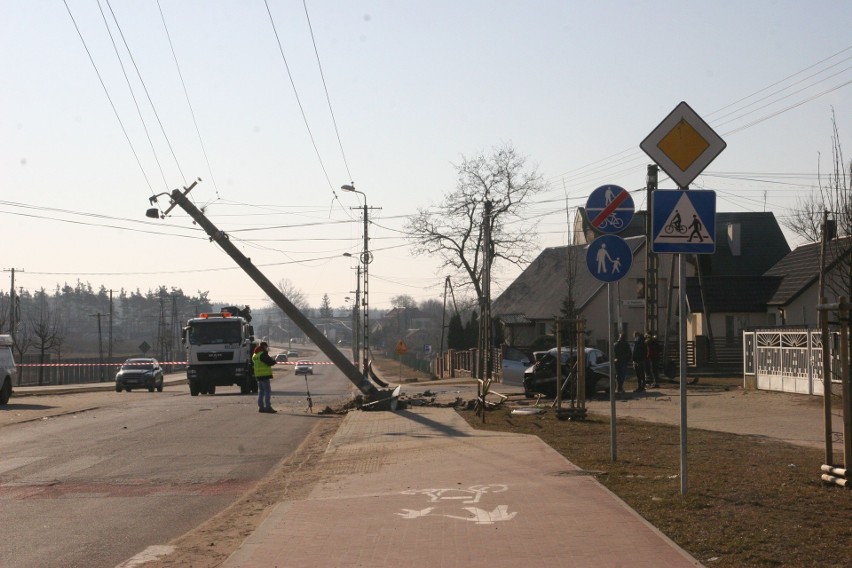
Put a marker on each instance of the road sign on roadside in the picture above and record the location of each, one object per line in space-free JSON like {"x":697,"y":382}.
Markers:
{"x":683,"y":145}
{"x":610,"y":209}
{"x":401,"y":347}
{"x":609,"y":258}
{"x":683,"y":221}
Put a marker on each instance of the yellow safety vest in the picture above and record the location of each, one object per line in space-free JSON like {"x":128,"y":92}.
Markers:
{"x":261,"y":369}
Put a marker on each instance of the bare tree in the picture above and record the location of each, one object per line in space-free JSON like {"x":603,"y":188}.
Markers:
{"x":46,"y":330}
{"x":403,"y":301}
{"x":454,"y":230}
{"x":834,"y":197}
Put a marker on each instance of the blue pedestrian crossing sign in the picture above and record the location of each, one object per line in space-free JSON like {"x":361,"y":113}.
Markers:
{"x":610,"y":209}
{"x":609,"y":258}
{"x":683,"y":221}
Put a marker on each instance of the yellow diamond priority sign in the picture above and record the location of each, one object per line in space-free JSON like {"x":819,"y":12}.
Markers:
{"x":683,"y":145}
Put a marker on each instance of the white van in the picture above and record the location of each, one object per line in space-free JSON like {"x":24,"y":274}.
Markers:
{"x":7,"y":368}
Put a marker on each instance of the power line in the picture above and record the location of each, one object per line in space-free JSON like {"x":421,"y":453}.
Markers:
{"x":298,"y":100}
{"x":133,"y":96}
{"x":188,"y":102}
{"x":109,"y":98}
{"x":325,"y":87}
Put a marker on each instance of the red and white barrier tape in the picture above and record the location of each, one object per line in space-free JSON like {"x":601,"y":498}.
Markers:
{"x":142,"y":364}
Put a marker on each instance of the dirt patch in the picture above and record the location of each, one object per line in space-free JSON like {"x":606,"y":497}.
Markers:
{"x":750,"y":501}
{"x":214,"y":541}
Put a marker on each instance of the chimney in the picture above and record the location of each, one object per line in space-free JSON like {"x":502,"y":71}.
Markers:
{"x":735,"y":238}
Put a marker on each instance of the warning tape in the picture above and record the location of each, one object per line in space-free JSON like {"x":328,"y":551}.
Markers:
{"x":96,"y":364}
{"x":142,"y":364}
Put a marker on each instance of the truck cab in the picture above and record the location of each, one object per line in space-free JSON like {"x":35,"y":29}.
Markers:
{"x":218,"y":353}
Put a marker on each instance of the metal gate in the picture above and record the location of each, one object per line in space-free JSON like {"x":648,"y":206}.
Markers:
{"x":785,"y":360}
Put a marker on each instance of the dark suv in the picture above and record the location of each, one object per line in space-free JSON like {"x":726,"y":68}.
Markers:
{"x":139,"y":373}
{"x":541,"y":377}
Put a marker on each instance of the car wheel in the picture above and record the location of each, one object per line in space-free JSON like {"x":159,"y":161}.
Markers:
{"x":193,"y":390}
{"x":160,"y":387}
{"x":117,"y":388}
{"x":151,"y":388}
{"x":6,"y":391}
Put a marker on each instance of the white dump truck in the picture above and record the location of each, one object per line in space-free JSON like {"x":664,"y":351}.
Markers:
{"x":218,"y":353}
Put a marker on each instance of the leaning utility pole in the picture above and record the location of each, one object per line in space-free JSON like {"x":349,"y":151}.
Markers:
{"x":362,"y":381}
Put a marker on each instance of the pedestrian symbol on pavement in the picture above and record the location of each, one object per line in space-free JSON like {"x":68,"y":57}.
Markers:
{"x":684,"y":222}
{"x":609,"y":258}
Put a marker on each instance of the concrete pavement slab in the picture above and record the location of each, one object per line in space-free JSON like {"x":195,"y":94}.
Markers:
{"x":421,"y":487}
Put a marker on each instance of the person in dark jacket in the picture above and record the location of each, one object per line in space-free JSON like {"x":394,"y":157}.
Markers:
{"x":622,"y":356}
{"x":639,"y":357}
{"x":652,"y":352}
{"x":263,"y":373}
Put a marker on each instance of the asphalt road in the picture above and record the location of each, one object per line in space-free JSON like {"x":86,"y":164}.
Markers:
{"x":93,"y":479}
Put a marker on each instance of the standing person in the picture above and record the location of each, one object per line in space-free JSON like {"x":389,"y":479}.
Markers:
{"x":639,"y":357}
{"x":263,"y":373}
{"x":652,"y":351}
{"x":622,"y":353}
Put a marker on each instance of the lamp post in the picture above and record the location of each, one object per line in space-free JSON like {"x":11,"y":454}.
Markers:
{"x":366,"y":258}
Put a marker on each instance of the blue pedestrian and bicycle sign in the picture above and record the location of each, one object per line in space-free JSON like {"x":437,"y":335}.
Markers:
{"x":610,"y":209}
{"x":609,"y":258}
{"x":683,"y":221}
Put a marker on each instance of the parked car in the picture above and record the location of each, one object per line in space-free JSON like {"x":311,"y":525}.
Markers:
{"x":541,"y":376}
{"x":515,"y":362}
{"x":304,"y":368}
{"x":139,"y":373}
{"x":8,"y":371}
{"x":281,"y":358}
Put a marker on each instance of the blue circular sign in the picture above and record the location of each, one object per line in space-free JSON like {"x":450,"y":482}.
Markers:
{"x":609,"y":258}
{"x":610,"y":209}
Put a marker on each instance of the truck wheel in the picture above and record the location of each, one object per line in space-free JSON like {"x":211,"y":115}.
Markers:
{"x":211,"y":389}
{"x":117,"y":388}
{"x":193,"y":389}
{"x":6,"y":390}
{"x":254,"y":385}
{"x":245,"y":387}
{"x":151,"y":389}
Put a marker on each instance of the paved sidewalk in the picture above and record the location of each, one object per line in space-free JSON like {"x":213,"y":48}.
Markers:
{"x":420,"y":487}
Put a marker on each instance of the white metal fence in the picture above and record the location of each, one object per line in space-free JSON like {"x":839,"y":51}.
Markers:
{"x":786,"y":360}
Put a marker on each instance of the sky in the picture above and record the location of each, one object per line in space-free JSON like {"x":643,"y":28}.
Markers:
{"x":275,"y":105}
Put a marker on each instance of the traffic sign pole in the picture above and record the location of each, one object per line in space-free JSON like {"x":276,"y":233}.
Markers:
{"x":683,"y":145}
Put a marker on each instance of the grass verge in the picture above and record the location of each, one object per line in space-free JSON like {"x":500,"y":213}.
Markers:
{"x":750,"y":501}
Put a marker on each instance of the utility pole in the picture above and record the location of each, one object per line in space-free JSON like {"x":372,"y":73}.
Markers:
{"x":12,"y":303}
{"x":356,"y":334}
{"x":652,"y":324}
{"x":100,"y":346}
{"x":109,"y":345}
{"x":485,"y":308}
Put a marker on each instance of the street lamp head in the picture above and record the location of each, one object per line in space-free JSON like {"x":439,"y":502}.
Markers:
{"x":153,"y":213}
{"x":349,"y":254}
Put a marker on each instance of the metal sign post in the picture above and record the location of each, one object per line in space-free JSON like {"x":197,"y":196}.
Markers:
{"x":610,"y":210}
{"x":683,"y":145}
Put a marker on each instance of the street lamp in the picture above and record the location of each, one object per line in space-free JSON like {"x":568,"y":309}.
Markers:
{"x":366,"y":258}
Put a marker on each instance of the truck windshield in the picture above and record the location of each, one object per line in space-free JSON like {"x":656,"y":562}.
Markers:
{"x":215,"y":332}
